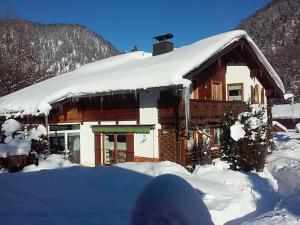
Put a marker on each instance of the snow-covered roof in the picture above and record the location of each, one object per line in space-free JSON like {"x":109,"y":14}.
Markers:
{"x":286,"y":111}
{"x":131,"y":71}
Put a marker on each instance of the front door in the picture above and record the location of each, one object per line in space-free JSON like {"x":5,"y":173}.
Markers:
{"x":74,"y":147}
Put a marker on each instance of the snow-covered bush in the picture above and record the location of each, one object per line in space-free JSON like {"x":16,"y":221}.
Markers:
{"x":18,"y":142}
{"x":10,"y":127}
{"x":226,"y":141}
{"x":248,"y":140}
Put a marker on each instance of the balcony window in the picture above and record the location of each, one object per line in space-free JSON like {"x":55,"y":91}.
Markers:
{"x":235,"y":92}
{"x":216,"y":89}
{"x":255,"y":94}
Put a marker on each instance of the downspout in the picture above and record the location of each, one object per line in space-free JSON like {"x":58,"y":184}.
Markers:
{"x":48,"y":135}
{"x":176,"y":115}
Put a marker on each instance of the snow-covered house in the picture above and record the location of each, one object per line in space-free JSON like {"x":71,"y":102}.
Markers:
{"x":139,"y":107}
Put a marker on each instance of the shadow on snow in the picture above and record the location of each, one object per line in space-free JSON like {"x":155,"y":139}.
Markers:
{"x":267,"y":201}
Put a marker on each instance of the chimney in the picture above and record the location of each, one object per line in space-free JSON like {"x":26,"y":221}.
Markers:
{"x":163,"y":44}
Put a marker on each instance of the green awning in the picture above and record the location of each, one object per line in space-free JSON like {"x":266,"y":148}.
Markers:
{"x":142,"y":129}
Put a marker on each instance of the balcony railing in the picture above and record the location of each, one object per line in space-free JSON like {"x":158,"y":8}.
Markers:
{"x":207,"y":110}
{"x":212,"y":108}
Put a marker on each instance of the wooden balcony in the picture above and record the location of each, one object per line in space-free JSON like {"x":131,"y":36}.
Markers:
{"x":212,"y":108}
{"x":210,"y":111}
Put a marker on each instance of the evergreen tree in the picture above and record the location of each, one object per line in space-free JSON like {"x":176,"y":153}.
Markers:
{"x":226,"y":142}
{"x":249,"y":152}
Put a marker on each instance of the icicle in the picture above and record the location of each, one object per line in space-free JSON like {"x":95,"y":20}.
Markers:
{"x":135,"y":95}
{"x":186,"y":100}
{"x":101,"y":102}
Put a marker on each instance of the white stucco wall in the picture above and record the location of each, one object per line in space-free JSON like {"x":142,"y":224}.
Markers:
{"x":87,"y":148}
{"x":146,"y":145}
{"x":241,"y":74}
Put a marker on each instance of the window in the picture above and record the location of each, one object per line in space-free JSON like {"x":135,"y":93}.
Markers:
{"x":217,"y":133}
{"x":262,"y":97}
{"x":255,"y":94}
{"x":116,"y":148}
{"x":216,"y":89}
{"x":235,"y":92}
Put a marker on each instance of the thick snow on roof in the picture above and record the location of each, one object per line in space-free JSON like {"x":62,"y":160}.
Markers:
{"x":131,"y":71}
{"x":286,"y":111}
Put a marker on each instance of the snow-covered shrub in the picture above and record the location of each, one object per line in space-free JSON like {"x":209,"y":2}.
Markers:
{"x":37,"y":133}
{"x":38,"y":137}
{"x":10,"y":127}
{"x":18,"y":142}
{"x":206,"y":144}
{"x":248,"y":140}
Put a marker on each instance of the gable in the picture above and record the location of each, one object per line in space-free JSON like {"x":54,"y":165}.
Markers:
{"x":239,"y":52}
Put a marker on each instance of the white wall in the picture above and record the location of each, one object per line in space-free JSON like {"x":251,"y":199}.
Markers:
{"x":87,"y":146}
{"x":241,"y":74}
{"x":146,"y":145}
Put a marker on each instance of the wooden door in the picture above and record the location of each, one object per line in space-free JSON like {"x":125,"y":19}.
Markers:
{"x":130,"y":147}
{"x":97,"y":148}
{"x":167,"y":145}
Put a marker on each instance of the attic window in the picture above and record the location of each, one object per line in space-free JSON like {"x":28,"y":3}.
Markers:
{"x":235,"y":92}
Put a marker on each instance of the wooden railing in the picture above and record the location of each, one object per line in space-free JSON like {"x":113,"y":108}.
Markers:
{"x":212,"y":108}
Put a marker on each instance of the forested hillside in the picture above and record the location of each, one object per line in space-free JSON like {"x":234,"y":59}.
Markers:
{"x":276,"y":30}
{"x":32,"y":52}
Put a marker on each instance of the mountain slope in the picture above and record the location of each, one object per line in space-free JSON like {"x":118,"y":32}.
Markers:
{"x":276,"y":30}
{"x":49,"y":49}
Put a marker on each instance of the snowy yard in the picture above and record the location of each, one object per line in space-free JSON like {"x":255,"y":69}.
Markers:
{"x":64,"y":193}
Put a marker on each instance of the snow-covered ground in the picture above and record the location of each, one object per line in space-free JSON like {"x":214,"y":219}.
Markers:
{"x":58,"y":192}
{"x":284,"y":165}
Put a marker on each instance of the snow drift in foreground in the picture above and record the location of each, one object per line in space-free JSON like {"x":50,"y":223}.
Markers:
{"x":106,"y":195}
{"x":169,"y":199}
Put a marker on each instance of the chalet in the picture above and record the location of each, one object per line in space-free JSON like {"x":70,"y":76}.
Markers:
{"x":148,"y":107}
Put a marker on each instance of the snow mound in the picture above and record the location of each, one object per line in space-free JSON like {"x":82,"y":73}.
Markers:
{"x":154,"y":169}
{"x":53,"y":161}
{"x":288,"y":178}
{"x":169,"y":199}
{"x":275,"y":217}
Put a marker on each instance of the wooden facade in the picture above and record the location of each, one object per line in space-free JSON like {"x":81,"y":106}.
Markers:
{"x":106,"y":108}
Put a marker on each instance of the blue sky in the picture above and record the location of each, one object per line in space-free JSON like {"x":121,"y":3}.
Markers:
{"x":126,"y":23}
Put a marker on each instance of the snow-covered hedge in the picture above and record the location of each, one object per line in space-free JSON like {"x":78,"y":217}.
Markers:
{"x":15,"y":142}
